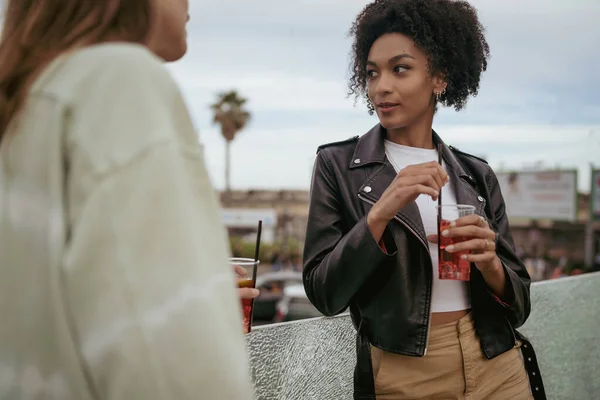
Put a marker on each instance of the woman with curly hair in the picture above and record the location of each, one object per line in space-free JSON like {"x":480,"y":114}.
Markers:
{"x":371,"y":242}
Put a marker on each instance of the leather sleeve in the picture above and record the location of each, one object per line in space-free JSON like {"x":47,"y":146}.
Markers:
{"x":516,"y":303}
{"x":337,"y":258}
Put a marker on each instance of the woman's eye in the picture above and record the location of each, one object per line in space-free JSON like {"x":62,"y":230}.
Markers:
{"x":400,"y":68}
{"x":371,"y":73}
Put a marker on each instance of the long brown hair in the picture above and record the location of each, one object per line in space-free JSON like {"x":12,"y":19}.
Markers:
{"x":37,"y":31}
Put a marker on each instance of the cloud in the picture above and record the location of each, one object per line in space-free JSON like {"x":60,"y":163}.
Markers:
{"x":538,"y":100}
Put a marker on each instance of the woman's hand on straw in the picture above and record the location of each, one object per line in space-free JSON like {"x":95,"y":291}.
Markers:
{"x":411,"y":182}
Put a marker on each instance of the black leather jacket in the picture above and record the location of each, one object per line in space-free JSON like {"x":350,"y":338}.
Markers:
{"x":389,"y":295}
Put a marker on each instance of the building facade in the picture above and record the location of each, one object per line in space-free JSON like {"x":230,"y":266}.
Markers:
{"x":536,"y":238}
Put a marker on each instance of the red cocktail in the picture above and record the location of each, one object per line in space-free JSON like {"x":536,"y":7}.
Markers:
{"x":246,"y":304}
{"x":451,"y":265}
{"x":245,"y":270}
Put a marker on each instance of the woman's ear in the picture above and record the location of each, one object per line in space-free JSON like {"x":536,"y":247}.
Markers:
{"x":439,"y":85}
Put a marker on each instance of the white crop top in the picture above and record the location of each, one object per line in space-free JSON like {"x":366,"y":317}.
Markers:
{"x":447,"y":295}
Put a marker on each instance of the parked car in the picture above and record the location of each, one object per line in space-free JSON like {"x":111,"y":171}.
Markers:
{"x":282,"y":298}
{"x":295,"y":305}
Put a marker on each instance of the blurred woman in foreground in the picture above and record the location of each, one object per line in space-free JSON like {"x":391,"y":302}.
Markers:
{"x":114,"y":282}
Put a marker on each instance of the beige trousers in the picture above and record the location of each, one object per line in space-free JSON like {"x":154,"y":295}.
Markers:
{"x":453,"y":368}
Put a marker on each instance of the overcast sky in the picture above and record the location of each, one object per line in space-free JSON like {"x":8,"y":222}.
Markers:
{"x":539,"y":99}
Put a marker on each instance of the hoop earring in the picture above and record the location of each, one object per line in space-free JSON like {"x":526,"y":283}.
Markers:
{"x":439,"y":94}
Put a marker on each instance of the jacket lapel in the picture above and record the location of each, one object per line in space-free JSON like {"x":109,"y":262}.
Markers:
{"x":370,"y":150}
{"x":372,"y":190}
{"x":463,"y":183}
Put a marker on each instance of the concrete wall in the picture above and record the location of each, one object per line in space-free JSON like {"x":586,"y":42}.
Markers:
{"x":314,"y":359}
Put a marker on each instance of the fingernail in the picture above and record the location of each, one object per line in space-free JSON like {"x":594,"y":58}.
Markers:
{"x":255,"y":292}
{"x":464,"y":256}
{"x":453,"y":224}
{"x":445,"y":233}
{"x":450,"y":248}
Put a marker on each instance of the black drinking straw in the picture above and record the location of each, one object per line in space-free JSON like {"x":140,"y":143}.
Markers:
{"x":254,"y":272}
{"x":439,"y":213}
{"x":257,"y":250}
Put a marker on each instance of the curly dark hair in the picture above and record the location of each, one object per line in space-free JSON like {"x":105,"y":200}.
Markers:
{"x":447,"y":31}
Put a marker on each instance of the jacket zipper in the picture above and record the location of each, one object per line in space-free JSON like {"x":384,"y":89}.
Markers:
{"x":431,"y":277}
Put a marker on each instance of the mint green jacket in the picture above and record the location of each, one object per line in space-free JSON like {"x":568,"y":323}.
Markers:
{"x":114,"y":281}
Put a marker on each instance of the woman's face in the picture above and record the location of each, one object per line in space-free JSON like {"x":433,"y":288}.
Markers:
{"x":169,"y":37}
{"x":399,"y":83}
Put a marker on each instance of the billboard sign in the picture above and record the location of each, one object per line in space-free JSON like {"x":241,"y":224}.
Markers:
{"x":540,"y":194}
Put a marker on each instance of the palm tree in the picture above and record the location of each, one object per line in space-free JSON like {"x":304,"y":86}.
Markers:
{"x":229,"y":112}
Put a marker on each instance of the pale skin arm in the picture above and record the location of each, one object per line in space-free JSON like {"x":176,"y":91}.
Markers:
{"x":482,"y":249}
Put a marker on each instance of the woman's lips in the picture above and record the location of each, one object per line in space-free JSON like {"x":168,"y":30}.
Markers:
{"x":387,"y":107}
